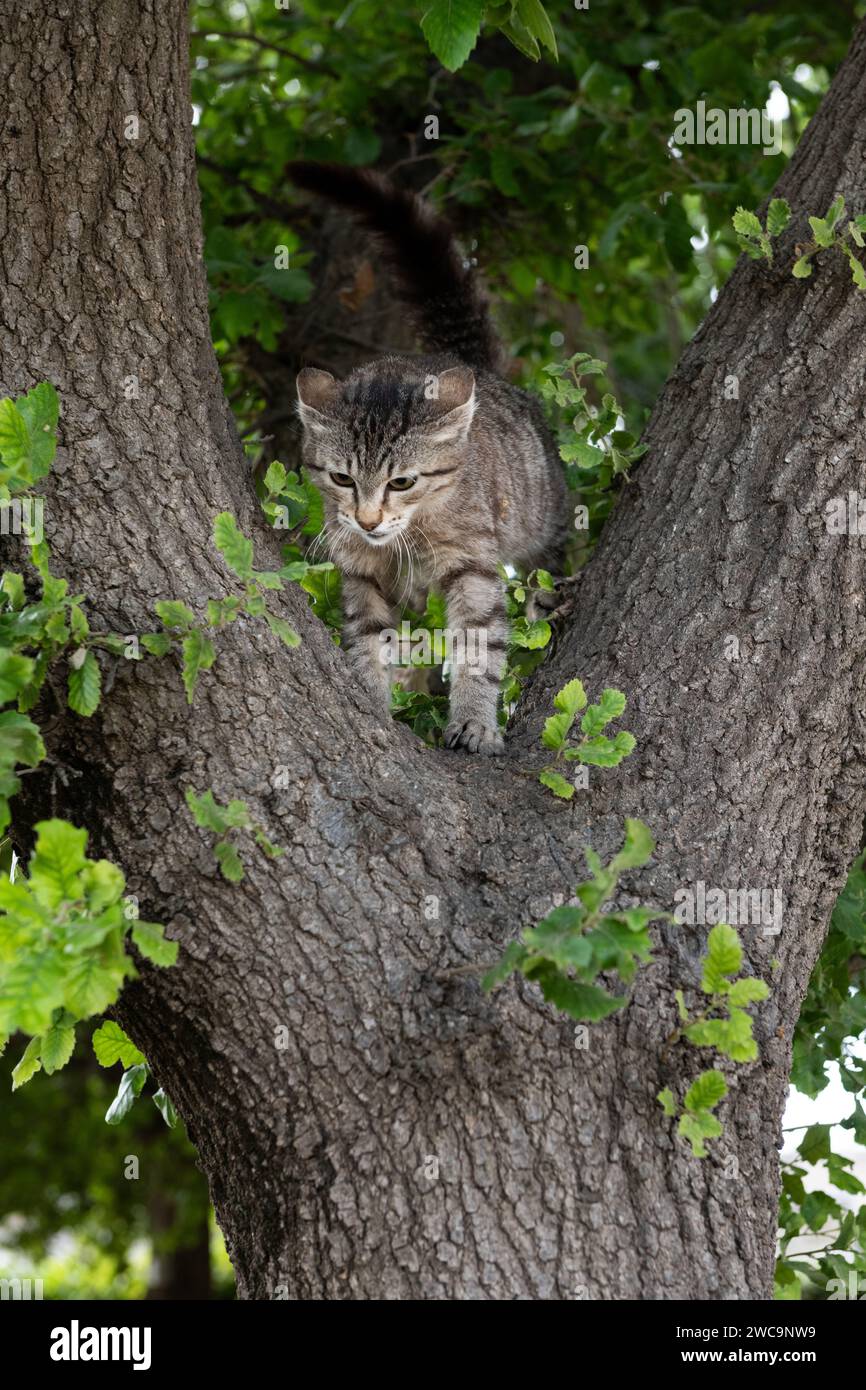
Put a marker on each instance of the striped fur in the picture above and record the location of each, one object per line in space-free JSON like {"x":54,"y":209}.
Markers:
{"x":486,"y":482}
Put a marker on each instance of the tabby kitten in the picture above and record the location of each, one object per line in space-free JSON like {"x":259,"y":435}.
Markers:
{"x":433,"y":468}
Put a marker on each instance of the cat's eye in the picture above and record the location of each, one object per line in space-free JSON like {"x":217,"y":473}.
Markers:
{"x":342,"y":479}
{"x":401,"y":484}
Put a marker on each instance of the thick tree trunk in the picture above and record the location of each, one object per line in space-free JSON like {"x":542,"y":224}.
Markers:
{"x":416,"y":1139}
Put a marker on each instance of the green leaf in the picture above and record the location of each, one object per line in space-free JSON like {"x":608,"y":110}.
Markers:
{"x":638,"y":847}
{"x":559,"y":938}
{"x":746,"y":223}
{"x":91,"y":986}
{"x":130,"y":1088}
{"x":778,"y":216}
{"x":512,"y":959}
{"x":802,"y":268}
{"x":556,"y":729}
{"x":549,"y":777}
{"x":751,"y":249}
{"x":451,"y":28}
{"x":531,"y":636}
{"x":724,"y":957}
{"x":40,"y":409}
{"x":29,"y":1065}
{"x":602,"y":751}
{"x":835,"y":212}
{"x":708,"y":1032}
{"x":748,"y":991}
{"x":515,"y":30}
{"x":157,"y":643}
{"x":165,"y":1107}
{"x":206,"y":812}
{"x":58,"y":1044}
{"x":275,"y":477}
{"x":199,"y":655}
{"x":534,"y":16}
{"x":280,"y":628}
{"x":57,"y":862}
{"x":174,"y":613}
{"x":85,"y":686}
{"x":266,"y":846}
{"x":14,"y":439}
{"x":822,"y":231}
{"x":858,"y":271}
{"x":610,"y":706}
{"x":28,"y":439}
{"x":16,"y":672}
{"x":698,"y":1126}
{"x":111,"y":1045}
{"x":20,"y":740}
{"x":855,"y":1122}
{"x":229,"y":861}
{"x":706,"y":1091}
{"x":233,"y":545}
{"x":12,"y":585}
{"x":667,"y":1102}
{"x":267,"y":579}
{"x":571,"y":699}
{"x":818,"y":1208}
{"x":584,"y":1003}
{"x":739,"y":1044}
{"x":151,"y":941}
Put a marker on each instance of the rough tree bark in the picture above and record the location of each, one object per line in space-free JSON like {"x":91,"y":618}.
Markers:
{"x":558,"y":1175}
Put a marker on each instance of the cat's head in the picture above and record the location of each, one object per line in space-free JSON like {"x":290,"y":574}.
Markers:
{"x":385,"y":444}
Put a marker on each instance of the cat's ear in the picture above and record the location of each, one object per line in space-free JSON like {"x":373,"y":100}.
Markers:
{"x":317,"y":393}
{"x":454,"y":394}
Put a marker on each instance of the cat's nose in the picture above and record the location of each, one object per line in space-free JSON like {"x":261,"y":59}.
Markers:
{"x":368,"y":525}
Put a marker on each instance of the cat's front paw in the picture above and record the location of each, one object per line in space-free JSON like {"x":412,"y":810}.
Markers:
{"x":475,"y":737}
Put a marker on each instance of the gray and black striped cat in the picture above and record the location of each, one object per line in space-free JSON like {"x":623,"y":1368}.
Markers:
{"x":433,"y":468}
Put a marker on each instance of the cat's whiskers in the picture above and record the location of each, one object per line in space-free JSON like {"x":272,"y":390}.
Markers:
{"x":403,"y":550}
{"x":429,"y":544}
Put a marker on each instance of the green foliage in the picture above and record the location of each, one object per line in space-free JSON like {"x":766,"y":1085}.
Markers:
{"x":452,"y":28}
{"x":532,"y":159}
{"x":64,"y":925}
{"x":293,"y":505}
{"x":832,"y":1020}
{"x":111,"y":1045}
{"x":36,"y":631}
{"x":722,"y":1024}
{"x":595,"y":748}
{"x":179,"y":621}
{"x":426,"y":715}
{"x":28,"y":439}
{"x":66,"y":1173}
{"x":63,"y":928}
{"x":697,"y":1122}
{"x":752,"y":238}
{"x":222,"y":821}
{"x":834,"y":1010}
{"x":252,"y":280}
{"x":827,"y":233}
{"x":567,"y":951}
{"x":596,"y":447}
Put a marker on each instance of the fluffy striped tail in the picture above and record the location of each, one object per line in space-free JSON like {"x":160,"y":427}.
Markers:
{"x":450,"y":311}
